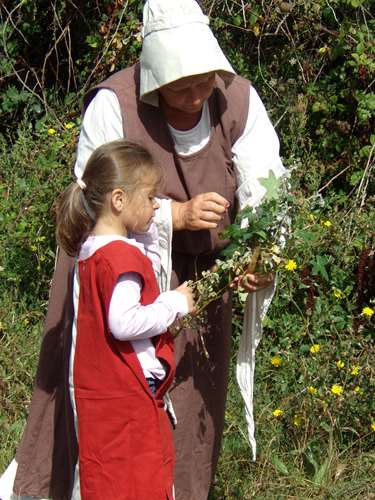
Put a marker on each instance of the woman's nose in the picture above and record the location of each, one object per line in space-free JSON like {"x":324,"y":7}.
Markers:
{"x":195,"y":94}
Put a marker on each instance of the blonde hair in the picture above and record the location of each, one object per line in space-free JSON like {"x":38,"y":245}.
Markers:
{"x":117,"y":164}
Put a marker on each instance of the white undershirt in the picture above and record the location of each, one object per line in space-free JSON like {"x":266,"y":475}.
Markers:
{"x":187,"y":142}
{"x":127,"y":318}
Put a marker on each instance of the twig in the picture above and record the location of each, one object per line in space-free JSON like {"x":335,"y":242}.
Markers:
{"x":280,"y":24}
{"x":16,"y":73}
{"x":333,"y":12}
{"x":365,"y":178}
{"x":85,"y":86}
{"x":260,"y":70}
{"x":281,"y":117}
{"x":333,"y":178}
{"x":9,"y":14}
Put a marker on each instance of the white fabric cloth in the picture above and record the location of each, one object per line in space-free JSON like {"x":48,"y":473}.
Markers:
{"x":167,"y":26}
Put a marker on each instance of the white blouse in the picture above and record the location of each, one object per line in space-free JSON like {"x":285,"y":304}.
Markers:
{"x":127,"y":318}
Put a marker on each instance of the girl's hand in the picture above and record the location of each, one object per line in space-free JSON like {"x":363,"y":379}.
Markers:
{"x":188,"y":293}
{"x":253,"y":282}
{"x":204,"y":211}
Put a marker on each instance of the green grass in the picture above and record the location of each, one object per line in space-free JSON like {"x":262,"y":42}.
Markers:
{"x":281,"y":470}
{"x":19,"y":348}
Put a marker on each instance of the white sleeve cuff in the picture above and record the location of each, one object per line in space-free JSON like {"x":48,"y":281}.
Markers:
{"x":176,"y":301}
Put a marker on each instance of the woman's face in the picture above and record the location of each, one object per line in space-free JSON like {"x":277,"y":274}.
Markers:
{"x":188,"y":94}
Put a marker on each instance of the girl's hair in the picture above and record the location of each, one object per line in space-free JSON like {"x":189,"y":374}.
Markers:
{"x":118,"y":164}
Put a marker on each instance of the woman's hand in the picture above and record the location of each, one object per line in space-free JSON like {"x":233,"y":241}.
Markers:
{"x":253,"y":282}
{"x":204,"y":211}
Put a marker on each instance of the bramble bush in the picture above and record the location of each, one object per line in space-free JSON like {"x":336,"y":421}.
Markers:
{"x":312,"y":62}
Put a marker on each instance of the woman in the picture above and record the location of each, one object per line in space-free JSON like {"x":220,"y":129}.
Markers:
{"x":209,"y":131}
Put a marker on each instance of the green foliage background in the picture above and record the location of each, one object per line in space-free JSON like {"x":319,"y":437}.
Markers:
{"x":313,"y":63}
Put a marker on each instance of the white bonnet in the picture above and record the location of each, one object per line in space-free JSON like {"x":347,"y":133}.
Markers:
{"x":177,"y":42}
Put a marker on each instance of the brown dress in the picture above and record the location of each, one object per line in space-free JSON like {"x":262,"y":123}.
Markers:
{"x":199,"y":391}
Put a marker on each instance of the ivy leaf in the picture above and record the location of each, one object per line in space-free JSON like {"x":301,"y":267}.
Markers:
{"x":319,"y":267}
{"x":271,"y":184}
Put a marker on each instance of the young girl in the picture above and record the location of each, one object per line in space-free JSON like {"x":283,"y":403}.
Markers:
{"x":121,"y":362}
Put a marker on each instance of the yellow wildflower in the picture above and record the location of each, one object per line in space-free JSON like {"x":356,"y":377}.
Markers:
{"x":312,"y":390}
{"x":367,"y":311}
{"x":297,"y":420}
{"x":69,"y":125}
{"x":315,"y":348}
{"x":291,"y":265}
{"x":340,"y":364}
{"x":357,"y":389}
{"x":337,"y":390}
{"x":312,"y":217}
{"x":276,"y":361}
{"x":51,"y":131}
{"x":337,"y":293}
{"x":355,"y":370}
{"x":326,"y":223}
{"x":372,"y":426}
{"x":277,"y":413}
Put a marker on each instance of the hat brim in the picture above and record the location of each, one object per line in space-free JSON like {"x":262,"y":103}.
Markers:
{"x":171,"y":54}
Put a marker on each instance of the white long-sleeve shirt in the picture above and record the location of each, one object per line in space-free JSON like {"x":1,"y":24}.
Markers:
{"x":128,"y":319}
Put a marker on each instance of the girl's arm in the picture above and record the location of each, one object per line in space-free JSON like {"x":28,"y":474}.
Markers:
{"x":129,"y":320}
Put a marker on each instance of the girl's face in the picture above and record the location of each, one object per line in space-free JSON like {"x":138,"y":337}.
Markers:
{"x":139,"y":210}
{"x":188,"y":94}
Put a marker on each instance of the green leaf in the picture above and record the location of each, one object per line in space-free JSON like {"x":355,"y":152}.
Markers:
{"x":279,"y":466}
{"x":321,"y":473}
{"x":325,"y":426}
{"x":271,"y":184}
{"x":261,"y":234}
{"x":306,"y":235}
{"x":319,"y":267}
{"x":309,"y":463}
{"x":304,"y":348}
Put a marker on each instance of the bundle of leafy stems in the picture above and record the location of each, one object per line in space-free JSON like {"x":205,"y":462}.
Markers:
{"x":253,"y":247}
